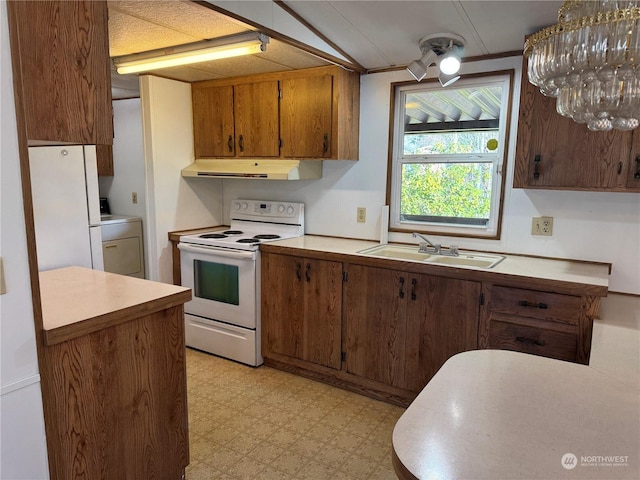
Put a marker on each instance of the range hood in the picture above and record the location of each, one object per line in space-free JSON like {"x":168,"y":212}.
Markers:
{"x":266,"y":169}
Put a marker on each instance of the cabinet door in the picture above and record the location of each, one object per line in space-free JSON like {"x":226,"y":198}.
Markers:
{"x":256,"y":119}
{"x":63,"y":55}
{"x":301,"y":309}
{"x":442,"y":320}
{"x":104,"y":158}
{"x":213,"y":132}
{"x":305,"y":116}
{"x":633,"y":172}
{"x":374,"y":322}
{"x":553,"y":151}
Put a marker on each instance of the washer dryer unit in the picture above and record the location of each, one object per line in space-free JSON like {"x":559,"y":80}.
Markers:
{"x":122,"y":246}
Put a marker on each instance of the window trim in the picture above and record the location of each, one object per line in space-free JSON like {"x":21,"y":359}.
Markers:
{"x":469,"y":231}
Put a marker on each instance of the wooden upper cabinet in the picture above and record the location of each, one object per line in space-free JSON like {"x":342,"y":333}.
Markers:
{"x":61,"y":60}
{"x":554,"y":152}
{"x":104,"y":157}
{"x":256,"y":119}
{"x":305,"y":116}
{"x":213,"y":127}
{"x":633,"y":170}
{"x":300,"y":114}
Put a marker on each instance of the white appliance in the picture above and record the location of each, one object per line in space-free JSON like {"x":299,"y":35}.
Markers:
{"x":222,"y":268}
{"x":66,"y":206}
{"x":122,"y":245}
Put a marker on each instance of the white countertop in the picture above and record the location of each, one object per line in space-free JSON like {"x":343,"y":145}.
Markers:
{"x":108,"y":219}
{"x":518,"y":265}
{"x":502,"y":415}
{"x":77,"y":300}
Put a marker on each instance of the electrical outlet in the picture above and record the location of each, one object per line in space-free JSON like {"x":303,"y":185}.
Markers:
{"x":542,"y":226}
{"x":134,"y":197}
{"x":361,"y":216}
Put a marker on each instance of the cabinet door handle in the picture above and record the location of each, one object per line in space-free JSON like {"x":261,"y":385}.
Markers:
{"x":619,"y":168}
{"x":298,"y":271}
{"x":401,"y":292}
{"x":414,"y":282}
{"x":113,"y":245}
{"x":637,"y":174}
{"x":307,"y":273}
{"x":531,"y":341}
{"x":325,"y":143}
{"x":536,"y":168}
{"x":241,"y":143}
{"x":230,"y":143}
{"x":524,"y":303}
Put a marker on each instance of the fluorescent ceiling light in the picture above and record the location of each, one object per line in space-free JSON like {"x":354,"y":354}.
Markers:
{"x":204,"y":51}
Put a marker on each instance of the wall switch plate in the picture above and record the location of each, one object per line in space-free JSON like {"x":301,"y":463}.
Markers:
{"x":361,"y":216}
{"x":134,"y":197}
{"x":542,"y":226}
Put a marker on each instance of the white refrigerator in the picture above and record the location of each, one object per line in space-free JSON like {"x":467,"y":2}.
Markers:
{"x":66,"y":206}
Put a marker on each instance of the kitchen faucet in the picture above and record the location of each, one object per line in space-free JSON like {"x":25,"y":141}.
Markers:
{"x":436,"y":248}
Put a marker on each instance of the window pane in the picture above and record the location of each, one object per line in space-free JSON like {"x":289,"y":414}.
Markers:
{"x":445,"y":192}
{"x":425,"y":143}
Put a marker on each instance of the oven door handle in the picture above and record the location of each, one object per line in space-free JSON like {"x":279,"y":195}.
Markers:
{"x":225,"y":252}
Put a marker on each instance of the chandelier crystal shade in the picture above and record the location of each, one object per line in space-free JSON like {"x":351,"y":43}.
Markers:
{"x":590,"y":62}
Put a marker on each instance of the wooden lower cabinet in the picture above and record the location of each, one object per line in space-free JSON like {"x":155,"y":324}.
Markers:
{"x":541,"y":323}
{"x":400,"y":328}
{"x":302,"y":309}
{"x":115,"y":401}
{"x":380,"y":332}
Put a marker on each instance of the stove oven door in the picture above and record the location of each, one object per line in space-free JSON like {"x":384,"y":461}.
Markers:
{"x":223,"y":283}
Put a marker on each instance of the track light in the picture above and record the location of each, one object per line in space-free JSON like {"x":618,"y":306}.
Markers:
{"x":444,"y":50}
{"x":204,"y":51}
{"x":418,"y":68}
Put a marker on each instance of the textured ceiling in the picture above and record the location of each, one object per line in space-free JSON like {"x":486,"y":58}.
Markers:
{"x":139,"y":26}
{"x":377,"y":34}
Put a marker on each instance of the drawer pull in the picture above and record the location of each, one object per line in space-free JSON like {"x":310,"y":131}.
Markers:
{"x":524,"y":303}
{"x":111,"y":246}
{"x":531,"y":341}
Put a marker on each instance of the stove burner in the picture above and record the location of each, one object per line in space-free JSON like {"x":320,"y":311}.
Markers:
{"x":213,"y":235}
{"x":248,"y":240}
{"x":267,"y":236}
{"x":233,"y":232}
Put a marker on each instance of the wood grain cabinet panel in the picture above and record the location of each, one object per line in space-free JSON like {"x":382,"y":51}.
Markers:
{"x":538,"y":322}
{"x":301,"y":309}
{"x":554,"y":152}
{"x":213,"y":122}
{"x":305,"y":116}
{"x":256,"y":119}
{"x":115,"y":401}
{"x":61,"y":61}
{"x":104,"y":158}
{"x":301,"y":114}
{"x":400,"y":328}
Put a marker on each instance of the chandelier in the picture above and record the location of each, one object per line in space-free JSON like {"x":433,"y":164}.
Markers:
{"x":590,"y":62}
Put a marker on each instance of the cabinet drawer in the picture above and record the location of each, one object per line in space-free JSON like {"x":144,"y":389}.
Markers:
{"x":532,"y":303}
{"x":538,"y":341}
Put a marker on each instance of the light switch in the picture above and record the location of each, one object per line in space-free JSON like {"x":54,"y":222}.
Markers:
{"x":3,"y":289}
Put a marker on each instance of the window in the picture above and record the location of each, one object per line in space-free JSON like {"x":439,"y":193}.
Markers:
{"x":447,"y":165}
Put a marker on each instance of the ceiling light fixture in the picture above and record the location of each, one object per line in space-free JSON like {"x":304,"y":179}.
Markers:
{"x":443,"y":49}
{"x":204,"y":51}
{"x":590,"y":62}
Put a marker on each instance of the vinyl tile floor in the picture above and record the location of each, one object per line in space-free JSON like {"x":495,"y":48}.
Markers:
{"x":262,"y":424}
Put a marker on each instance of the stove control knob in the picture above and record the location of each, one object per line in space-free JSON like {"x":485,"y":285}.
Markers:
{"x":244,"y":205}
{"x":280,"y":208}
{"x":236,"y":206}
{"x":289,"y":209}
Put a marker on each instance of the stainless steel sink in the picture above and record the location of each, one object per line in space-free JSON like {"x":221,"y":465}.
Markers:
{"x":405,"y":252}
